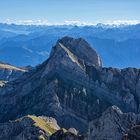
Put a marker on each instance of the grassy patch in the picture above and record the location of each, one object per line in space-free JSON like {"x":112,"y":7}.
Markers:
{"x":43,"y":124}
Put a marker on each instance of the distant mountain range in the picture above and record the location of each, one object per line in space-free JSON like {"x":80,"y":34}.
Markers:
{"x":22,"y":45}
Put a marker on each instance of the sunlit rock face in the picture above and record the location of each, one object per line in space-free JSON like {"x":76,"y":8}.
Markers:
{"x":80,"y":48}
{"x":29,"y":127}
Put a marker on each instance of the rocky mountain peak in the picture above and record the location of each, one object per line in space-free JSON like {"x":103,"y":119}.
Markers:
{"x":72,"y":87}
{"x":80,"y":49}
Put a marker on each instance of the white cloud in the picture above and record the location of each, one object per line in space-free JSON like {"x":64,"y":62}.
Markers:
{"x":125,"y":22}
{"x":27,"y":22}
{"x":77,"y":22}
{"x":113,"y":22}
{"x":69,"y":22}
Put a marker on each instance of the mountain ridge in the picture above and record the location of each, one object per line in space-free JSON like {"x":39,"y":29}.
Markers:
{"x":60,"y":88}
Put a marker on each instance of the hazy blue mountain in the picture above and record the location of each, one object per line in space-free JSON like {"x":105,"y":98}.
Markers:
{"x":21,"y":45}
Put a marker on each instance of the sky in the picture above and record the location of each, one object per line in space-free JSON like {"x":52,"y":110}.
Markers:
{"x":69,"y":11}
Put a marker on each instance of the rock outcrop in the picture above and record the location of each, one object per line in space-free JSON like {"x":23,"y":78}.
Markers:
{"x":113,"y":124}
{"x":10,"y":73}
{"x":36,"y":128}
{"x":65,"y":135}
{"x":71,"y":86}
{"x":28,"y":128}
{"x":80,"y":49}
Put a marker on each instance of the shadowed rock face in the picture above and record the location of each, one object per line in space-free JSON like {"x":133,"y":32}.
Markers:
{"x":113,"y":124}
{"x":133,"y":133}
{"x":61,"y":135}
{"x":71,"y":86}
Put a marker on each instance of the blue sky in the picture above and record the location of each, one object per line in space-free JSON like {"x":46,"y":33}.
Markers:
{"x":60,"y":11}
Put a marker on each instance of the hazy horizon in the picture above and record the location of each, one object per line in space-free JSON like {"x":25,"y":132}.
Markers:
{"x":53,"y":12}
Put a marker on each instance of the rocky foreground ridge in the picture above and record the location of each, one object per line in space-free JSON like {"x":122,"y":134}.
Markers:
{"x":112,"y":125}
{"x":36,"y":128}
{"x":74,"y":88}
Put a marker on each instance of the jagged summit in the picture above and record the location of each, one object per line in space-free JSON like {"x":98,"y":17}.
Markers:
{"x":81,"y":49}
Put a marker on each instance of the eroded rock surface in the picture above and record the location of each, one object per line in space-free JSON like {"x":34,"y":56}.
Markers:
{"x":113,"y":124}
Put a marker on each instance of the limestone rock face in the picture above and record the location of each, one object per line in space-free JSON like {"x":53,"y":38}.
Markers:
{"x":72,"y":87}
{"x":123,"y":84}
{"x":82,"y":50}
{"x":112,"y":125}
